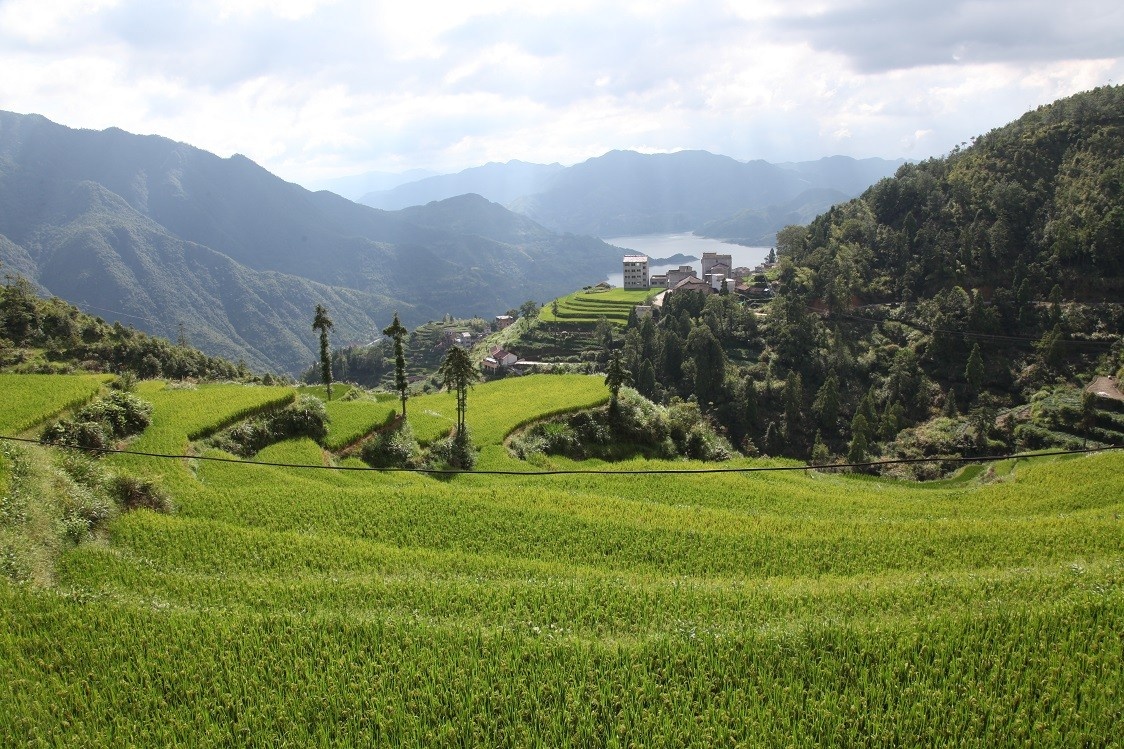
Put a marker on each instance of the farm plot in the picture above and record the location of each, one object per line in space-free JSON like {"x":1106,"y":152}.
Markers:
{"x":326,"y":608}
{"x":32,"y":399}
{"x":589,"y":305}
{"x":350,"y":420}
{"x":497,"y":408}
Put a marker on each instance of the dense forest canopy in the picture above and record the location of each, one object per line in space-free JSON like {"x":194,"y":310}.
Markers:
{"x":926,"y":316}
{"x":1038,"y":201}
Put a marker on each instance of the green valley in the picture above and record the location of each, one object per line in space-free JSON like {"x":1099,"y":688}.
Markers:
{"x":319,"y":607}
{"x":702,"y":523}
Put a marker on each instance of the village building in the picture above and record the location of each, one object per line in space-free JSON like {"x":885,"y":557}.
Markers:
{"x":459,"y":338}
{"x":675,"y":276}
{"x":711,"y":259}
{"x":502,"y":321}
{"x":498,"y":360}
{"x":692,"y":283}
{"x":719,"y":272}
{"x":658,"y":280}
{"x":635,"y":271}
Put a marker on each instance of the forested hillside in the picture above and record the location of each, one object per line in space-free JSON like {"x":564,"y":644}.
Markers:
{"x":955,"y":308}
{"x":50,"y":336}
{"x":1039,"y":202}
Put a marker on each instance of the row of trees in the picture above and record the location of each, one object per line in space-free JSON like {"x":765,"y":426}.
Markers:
{"x":457,"y":373}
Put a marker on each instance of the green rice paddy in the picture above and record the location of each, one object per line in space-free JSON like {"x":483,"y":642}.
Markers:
{"x":307,"y":607}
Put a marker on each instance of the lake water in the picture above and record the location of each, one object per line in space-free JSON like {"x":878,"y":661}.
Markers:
{"x":666,"y":245}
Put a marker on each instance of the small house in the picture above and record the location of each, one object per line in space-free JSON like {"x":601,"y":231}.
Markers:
{"x":498,"y":360}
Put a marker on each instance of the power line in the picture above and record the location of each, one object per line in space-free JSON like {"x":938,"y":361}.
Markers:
{"x":585,"y":471}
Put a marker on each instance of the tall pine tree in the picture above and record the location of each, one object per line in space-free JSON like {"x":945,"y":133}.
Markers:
{"x":398,"y":333}
{"x":323,"y":323}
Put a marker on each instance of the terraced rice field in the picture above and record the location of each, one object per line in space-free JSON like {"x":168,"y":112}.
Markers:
{"x":311,"y":607}
{"x":587,"y":306}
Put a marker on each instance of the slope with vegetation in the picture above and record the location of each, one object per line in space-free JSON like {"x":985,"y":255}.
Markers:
{"x":52,"y":336}
{"x":929,"y":315}
{"x":367,"y":608}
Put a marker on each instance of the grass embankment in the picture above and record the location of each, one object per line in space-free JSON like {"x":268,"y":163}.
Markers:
{"x":355,"y":609}
{"x":587,"y":306}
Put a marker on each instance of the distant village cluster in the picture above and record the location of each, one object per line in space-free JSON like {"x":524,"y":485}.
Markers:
{"x":717,"y":272}
{"x":717,"y":276}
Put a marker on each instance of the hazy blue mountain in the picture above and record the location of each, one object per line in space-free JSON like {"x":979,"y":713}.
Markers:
{"x":355,"y":186}
{"x":758,"y":227}
{"x":499,"y":183}
{"x":842,"y":173}
{"x":162,"y":233}
{"x":624,"y":192}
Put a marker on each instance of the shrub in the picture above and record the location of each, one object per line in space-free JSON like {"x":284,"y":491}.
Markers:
{"x":84,"y":435}
{"x":84,"y":510}
{"x":455,"y":453}
{"x":133,"y":493}
{"x":125,"y":413}
{"x":125,"y":382}
{"x":636,"y":426}
{"x":306,"y":417}
{"x":639,"y":420}
{"x":97,"y":424}
{"x":703,"y":443}
{"x":394,"y":448}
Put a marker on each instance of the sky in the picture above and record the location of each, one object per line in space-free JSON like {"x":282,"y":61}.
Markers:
{"x":320,"y":89}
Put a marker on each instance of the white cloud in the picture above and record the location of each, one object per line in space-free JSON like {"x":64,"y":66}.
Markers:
{"x":318,"y":88}
{"x":39,"y":22}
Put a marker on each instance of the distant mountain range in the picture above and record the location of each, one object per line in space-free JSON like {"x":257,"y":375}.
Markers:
{"x":158,"y":234}
{"x":624,"y":193}
{"x":166,"y":236}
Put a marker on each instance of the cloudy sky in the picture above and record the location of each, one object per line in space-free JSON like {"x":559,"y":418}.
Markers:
{"x":315,"y":89}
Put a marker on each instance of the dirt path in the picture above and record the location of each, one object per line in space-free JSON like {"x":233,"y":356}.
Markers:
{"x":1105,"y":388}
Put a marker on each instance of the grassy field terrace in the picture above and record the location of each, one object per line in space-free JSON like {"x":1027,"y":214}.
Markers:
{"x":318,"y":607}
{"x":586,"y":306}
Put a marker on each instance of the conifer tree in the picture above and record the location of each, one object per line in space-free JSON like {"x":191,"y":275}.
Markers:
{"x":457,"y":373}
{"x":773,"y":442}
{"x":860,"y":442}
{"x":793,"y":407}
{"x":398,"y":333}
{"x":615,"y":377}
{"x":323,"y":323}
{"x":826,"y":404}
{"x":950,"y":410}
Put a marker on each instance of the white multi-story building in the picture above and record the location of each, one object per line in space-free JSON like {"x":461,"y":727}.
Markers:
{"x":636,"y":271}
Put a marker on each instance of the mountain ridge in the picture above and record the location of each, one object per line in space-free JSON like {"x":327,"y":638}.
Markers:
{"x":625,"y":192}
{"x":158,"y":203}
